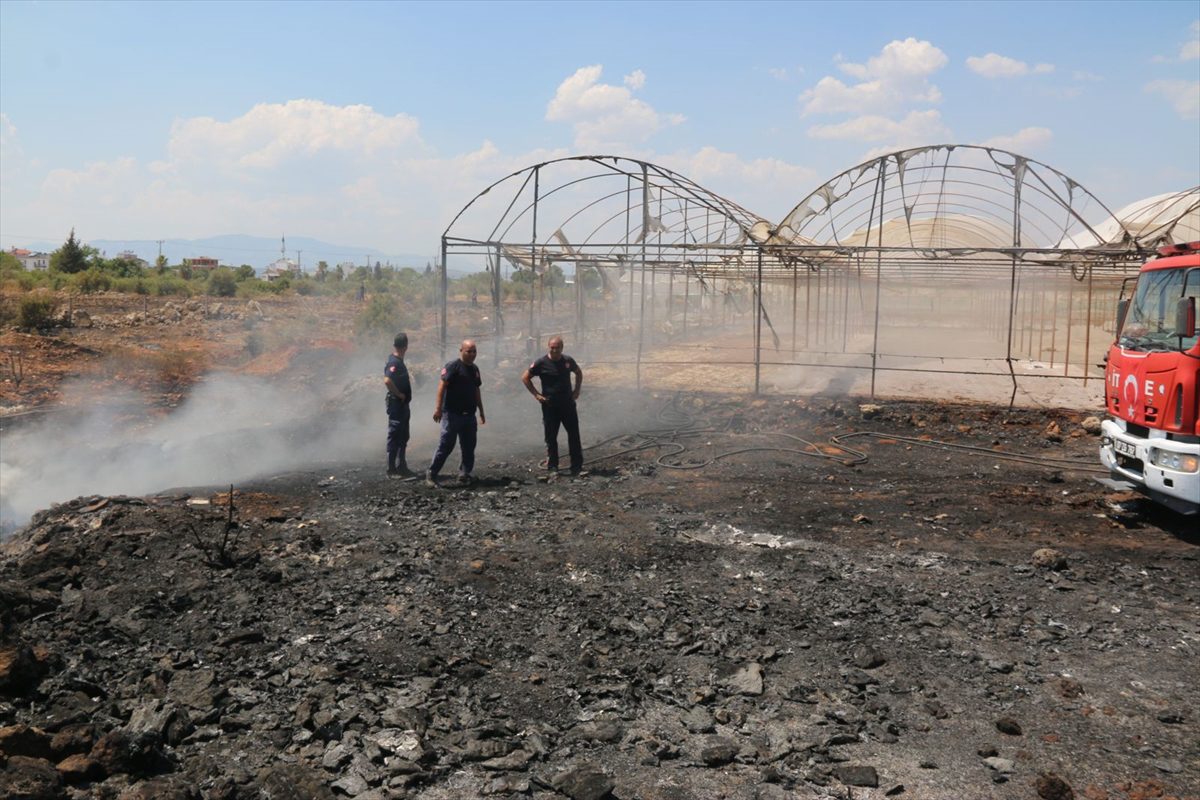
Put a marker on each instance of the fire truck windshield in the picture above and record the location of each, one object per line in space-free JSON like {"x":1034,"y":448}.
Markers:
{"x":1150,"y":322}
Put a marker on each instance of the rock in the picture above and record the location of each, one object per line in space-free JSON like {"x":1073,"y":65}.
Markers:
{"x":160,"y":789}
{"x":118,"y":752}
{"x":854,"y":775}
{"x":869,"y":410}
{"x":292,"y":782}
{"x":22,"y":740}
{"x":598,"y":730}
{"x":868,"y":658}
{"x":1169,"y":765}
{"x":194,"y":688}
{"x":1009,"y":726}
{"x":584,"y":782}
{"x":1053,"y":433}
{"x":1051,"y":787}
{"x":21,"y":670}
{"x":719,"y":751}
{"x":81,"y":318}
{"x":1091,"y":425}
{"x":1048,"y":558}
{"x":1001,"y":765}
{"x":698,"y":720}
{"x":747,"y":680}
{"x":79,"y":768}
{"x":26,"y":778}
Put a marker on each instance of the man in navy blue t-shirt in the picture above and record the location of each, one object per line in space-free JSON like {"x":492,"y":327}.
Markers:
{"x":457,"y":399}
{"x":399,"y":396}
{"x":558,"y":401}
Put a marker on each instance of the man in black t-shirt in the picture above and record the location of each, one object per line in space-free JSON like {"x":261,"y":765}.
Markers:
{"x":558,"y":401}
{"x":457,"y":399}
{"x":399,"y":395}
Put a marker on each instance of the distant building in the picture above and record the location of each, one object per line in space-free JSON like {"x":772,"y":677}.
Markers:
{"x":30,"y":259}
{"x":280,"y":268}
{"x":133,"y":258}
{"x":202,"y":263}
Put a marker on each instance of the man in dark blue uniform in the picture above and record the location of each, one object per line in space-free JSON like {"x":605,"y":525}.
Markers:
{"x":458,"y":397}
{"x":558,"y":401}
{"x":399,"y":396}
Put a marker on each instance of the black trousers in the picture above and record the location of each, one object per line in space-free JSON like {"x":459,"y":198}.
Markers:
{"x":557,"y":413}
{"x":397,"y":435}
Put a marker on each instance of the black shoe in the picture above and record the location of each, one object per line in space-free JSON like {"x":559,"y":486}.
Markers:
{"x":405,"y":472}
{"x":431,"y":481}
{"x":465,"y":480}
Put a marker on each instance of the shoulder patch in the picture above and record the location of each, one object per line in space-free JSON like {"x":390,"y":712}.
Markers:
{"x":444,"y":371}
{"x":392,"y":368}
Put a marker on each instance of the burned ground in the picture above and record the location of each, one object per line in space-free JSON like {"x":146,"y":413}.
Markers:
{"x":929,"y":622}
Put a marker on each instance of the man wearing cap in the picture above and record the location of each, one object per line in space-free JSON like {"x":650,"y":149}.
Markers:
{"x":458,"y":397}
{"x":558,"y":401}
{"x":399,"y":395}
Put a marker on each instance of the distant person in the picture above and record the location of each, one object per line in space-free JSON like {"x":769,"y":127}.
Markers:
{"x":399,"y":396}
{"x":458,"y":397}
{"x":362,"y":292}
{"x":558,"y":401}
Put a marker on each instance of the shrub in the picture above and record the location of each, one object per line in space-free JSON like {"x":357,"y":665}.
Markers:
{"x":37,"y":311}
{"x":92,"y":280}
{"x":222,"y":283}
{"x":383,"y":316}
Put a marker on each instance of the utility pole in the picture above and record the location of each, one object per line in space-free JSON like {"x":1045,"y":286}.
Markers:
{"x":299,"y":268}
{"x":160,"y":244}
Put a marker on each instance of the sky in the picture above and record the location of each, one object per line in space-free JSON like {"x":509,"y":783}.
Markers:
{"x":371,"y":124}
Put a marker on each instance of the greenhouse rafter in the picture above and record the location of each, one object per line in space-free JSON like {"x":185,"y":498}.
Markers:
{"x":863,"y":271}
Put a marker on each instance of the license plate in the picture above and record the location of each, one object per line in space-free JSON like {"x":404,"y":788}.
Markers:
{"x":1124,"y":448}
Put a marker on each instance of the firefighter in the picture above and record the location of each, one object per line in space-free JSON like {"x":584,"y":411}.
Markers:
{"x":557,"y":398}
{"x":399,"y":396}
{"x":458,"y":397}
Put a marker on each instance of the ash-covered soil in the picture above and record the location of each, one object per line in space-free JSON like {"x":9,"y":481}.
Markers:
{"x":929,"y":622}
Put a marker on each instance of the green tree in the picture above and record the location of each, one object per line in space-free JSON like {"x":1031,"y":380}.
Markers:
{"x":322,"y":271}
{"x":554,"y":276}
{"x":160,"y":264}
{"x":222,"y":283}
{"x":71,"y":257}
{"x":10,"y":263}
{"x":244,"y":273}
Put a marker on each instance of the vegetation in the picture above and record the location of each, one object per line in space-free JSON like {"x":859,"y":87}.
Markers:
{"x":37,"y":311}
{"x":391,"y":294}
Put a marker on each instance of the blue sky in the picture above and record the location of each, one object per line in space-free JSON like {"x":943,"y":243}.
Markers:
{"x":371,"y":124}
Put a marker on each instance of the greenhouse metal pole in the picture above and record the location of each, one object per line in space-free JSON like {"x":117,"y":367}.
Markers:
{"x":443,"y":291}
{"x":758,"y":315}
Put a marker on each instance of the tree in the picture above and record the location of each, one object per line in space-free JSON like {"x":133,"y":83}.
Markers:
{"x":69,"y":258}
{"x":322,"y":271}
{"x":554,"y":276}
{"x":10,"y":263}
{"x":222,"y":283}
{"x":160,"y":264}
{"x":244,"y":273}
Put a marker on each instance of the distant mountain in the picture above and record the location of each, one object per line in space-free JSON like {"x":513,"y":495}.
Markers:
{"x":257,"y":251}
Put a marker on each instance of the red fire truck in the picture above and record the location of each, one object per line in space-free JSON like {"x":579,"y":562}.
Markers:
{"x":1151,"y":439}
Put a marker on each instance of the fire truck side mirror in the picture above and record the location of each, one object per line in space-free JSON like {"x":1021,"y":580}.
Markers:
{"x":1185,"y":317}
{"x":1122,"y":310}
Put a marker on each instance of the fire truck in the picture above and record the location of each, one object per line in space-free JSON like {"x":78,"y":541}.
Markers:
{"x":1151,"y":439}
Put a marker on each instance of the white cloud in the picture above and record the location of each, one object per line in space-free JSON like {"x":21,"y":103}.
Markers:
{"x":918,"y":127}
{"x":773,"y":185}
{"x":1024,"y":141}
{"x":898,"y":76}
{"x":1084,"y":75}
{"x":605,"y":116}
{"x":994,"y":65}
{"x":1184,"y":96}
{"x":1191,"y":48}
{"x":273,"y":134}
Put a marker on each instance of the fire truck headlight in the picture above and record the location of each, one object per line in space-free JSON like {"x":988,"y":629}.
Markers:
{"x":1179,"y":462}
